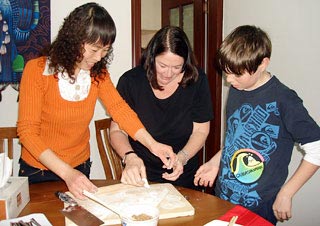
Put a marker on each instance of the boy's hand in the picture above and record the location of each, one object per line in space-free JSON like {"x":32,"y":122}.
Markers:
{"x":206,"y":175}
{"x":282,"y":207}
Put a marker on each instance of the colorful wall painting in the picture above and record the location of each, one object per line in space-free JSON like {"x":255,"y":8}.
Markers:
{"x":24,"y":32}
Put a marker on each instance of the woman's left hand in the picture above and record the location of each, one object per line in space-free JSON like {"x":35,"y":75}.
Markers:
{"x":177,"y":171}
{"x":165,"y":153}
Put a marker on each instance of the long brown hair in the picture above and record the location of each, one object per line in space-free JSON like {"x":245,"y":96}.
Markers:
{"x":173,"y":39}
{"x":89,"y":23}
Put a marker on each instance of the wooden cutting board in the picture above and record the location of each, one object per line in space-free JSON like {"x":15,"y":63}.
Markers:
{"x":170,"y":202}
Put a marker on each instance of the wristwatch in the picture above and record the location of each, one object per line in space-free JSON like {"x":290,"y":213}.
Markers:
{"x":123,"y":161}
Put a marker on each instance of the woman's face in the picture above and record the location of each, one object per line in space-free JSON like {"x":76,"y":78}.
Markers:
{"x":168,"y":67}
{"x":93,"y":53}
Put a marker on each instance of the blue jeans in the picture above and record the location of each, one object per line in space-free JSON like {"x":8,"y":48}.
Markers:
{"x":36,"y":175}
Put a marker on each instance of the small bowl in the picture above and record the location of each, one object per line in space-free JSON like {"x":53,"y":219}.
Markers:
{"x":140,"y":215}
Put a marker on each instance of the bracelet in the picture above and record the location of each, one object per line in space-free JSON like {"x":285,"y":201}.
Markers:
{"x":186,"y":156}
{"x":123,"y":161}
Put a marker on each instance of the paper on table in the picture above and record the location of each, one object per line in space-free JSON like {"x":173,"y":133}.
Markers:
{"x":39,"y":217}
{"x":5,"y":168}
{"x":219,"y":223}
{"x":146,"y":184}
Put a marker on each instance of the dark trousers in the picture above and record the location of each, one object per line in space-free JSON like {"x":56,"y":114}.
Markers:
{"x":266,"y":211}
{"x":36,"y":175}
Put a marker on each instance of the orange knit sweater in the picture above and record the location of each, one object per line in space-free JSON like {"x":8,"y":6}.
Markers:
{"x":46,"y":120}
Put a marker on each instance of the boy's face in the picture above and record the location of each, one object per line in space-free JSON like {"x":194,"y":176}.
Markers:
{"x":246,"y":81}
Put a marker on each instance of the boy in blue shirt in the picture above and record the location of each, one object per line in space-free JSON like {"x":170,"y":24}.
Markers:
{"x":265,"y":119}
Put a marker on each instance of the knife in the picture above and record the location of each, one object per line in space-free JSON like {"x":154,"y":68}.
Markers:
{"x":77,"y":213}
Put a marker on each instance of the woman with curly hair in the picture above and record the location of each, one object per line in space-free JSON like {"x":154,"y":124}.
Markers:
{"x":58,"y":94}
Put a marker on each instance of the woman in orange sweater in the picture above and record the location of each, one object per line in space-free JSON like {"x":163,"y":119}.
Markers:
{"x":58,"y":93}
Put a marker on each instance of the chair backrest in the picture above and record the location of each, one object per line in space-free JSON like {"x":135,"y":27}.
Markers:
{"x":110,"y":159}
{"x":7,"y":135}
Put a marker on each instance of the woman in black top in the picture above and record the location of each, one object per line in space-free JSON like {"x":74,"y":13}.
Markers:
{"x":172,"y":99}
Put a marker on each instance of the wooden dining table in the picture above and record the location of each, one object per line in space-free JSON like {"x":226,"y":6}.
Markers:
{"x":43,"y":200}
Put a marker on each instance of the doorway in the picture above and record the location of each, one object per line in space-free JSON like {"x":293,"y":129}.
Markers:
{"x":207,"y":31}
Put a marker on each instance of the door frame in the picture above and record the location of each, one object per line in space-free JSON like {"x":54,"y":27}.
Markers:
{"x":136,"y":31}
{"x":214,"y":8}
{"x":214,"y":39}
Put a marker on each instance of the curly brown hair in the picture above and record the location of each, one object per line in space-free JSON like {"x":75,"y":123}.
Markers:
{"x":89,"y":23}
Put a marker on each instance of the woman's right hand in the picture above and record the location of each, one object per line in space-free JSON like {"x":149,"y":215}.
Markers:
{"x":77,"y":182}
{"x":74,"y":179}
{"x":134,"y":171}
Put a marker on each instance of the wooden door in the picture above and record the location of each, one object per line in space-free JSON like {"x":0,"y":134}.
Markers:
{"x":190,"y":16}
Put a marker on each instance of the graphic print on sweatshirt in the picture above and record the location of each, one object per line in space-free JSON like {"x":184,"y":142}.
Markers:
{"x":249,"y":143}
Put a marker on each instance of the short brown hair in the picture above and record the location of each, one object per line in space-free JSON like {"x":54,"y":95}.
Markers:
{"x":243,"y":50}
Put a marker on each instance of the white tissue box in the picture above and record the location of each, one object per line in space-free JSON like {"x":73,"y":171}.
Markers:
{"x":14,"y":196}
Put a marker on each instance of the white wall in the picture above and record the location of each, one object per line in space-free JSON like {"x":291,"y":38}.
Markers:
{"x":294,"y":29}
{"x":120,"y":11}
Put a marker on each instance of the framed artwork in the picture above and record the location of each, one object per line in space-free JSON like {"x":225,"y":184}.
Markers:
{"x":24,"y":32}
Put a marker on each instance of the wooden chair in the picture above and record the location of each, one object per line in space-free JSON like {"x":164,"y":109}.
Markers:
{"x":8,"y":134}
{"x":110,"y":159}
